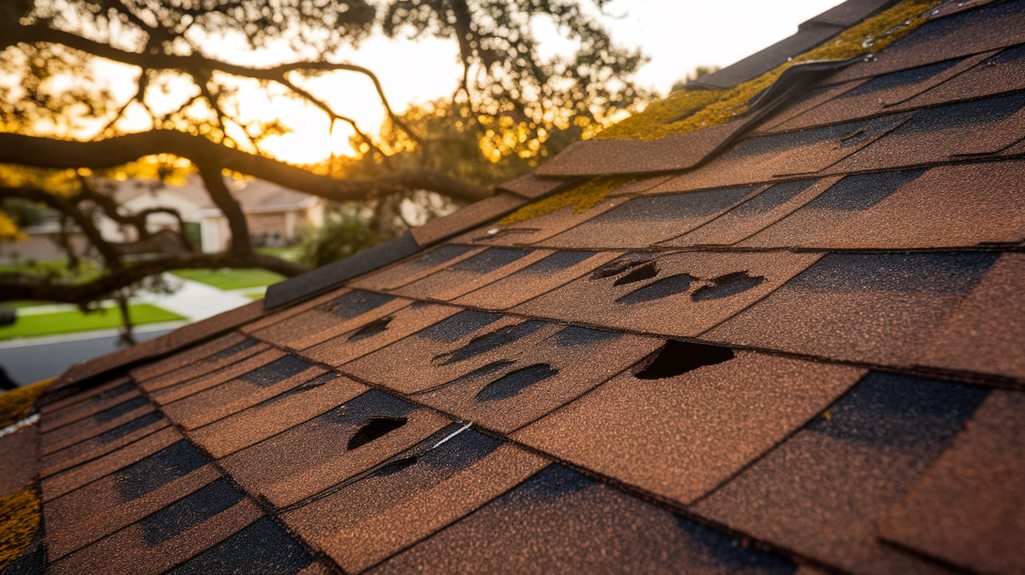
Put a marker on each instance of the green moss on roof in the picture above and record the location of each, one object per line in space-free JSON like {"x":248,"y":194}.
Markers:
{"x":19,"y":521}
{"x":686,"y":111}
{"x":581,"y":198}
{"x":17,"y":404}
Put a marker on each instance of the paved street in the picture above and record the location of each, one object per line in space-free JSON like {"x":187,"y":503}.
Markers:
{"x":39,"y":358}
{"x":32,"y":359}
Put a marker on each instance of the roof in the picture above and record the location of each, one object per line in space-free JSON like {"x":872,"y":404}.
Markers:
{"x":773,"y":326}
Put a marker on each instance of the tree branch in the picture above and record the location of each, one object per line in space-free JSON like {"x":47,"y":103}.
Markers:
{"x":196,"y":63}
{"x":112,"y":152}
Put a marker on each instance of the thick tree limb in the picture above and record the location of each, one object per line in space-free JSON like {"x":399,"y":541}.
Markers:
{"x":213,"y":179}
{"x":112,"y":152}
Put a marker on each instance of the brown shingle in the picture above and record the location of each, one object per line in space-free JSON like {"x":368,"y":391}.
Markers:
{"x":98,"y":392}
{"x":102,"y":444}
{"x":408,"y":499}
{"x":341,"y":314}
{"x":762,"y":158}
{"x":553,"y":271}
{"x":1003,"y":72}
{"x":315,"y":455}
{"x":461,"y":220}
{"x":128,"y":551}
{"x":96,"y":424}
{"x":75,"y":477}
{"x":416,"y":267}
{"x":99,"y":509}
{"x":948,"y":206}
{"x":750,"y":217}
{"x":379,"y":333}
{"x":227,"y":373}
{"x":186,"y":358}
{"x":650,"y":219}
{"x":939,"y":134}
{"x":541,"y":226}
{"x":613,"y":156}
{"x":861,"y":307}
{"x":681,"y":436}
{"x":85,"y":405}
{"x":669,"y":302}
{"x":820,"y":491}
{"x":191,"y":366}
{"x":276,"y":414}
{"x":984,"y":334}
{"x":990,"y":27}
{"x":446,"y":350}
{"x":265,"y":382}
{"x":819,"y":218}
{"x":967,"y":509}
{"x":888,"y":93}
{"x":19,"y":457}
{"x":532,"y":186}
{"x":567,"y":523}
{"x":521,"y":387}
{"x":474,"y":272}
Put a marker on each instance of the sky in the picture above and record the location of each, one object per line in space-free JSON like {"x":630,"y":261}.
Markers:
{"x":677,"y":36}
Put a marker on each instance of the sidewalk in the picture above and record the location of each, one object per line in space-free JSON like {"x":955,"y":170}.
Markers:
{"x":194,"y":300}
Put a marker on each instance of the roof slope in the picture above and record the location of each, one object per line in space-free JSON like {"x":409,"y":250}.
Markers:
{"x":788,"y":341}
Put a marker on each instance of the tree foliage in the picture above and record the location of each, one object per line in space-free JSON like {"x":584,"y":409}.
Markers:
{"x":65,"y":126}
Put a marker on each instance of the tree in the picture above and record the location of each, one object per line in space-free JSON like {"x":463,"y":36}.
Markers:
{"x":63,"y":128}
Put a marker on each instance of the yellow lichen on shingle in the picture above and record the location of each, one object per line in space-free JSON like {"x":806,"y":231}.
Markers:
{"x":17,"y":404}
{"x":581,"y":198}
{"x":19,"y":521}
{"x":699,"y":109}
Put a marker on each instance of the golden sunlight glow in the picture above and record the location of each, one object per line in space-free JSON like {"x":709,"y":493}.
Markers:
{"x":417,"y":71}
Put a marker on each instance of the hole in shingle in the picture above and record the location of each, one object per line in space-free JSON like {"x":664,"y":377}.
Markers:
{"x":514,"y":382}
{"x":488,"y":342}
{"x":640,"y":273}
{"x":679,"y":357}
{"x":616,"y":267}
{"x":371,"y":329}
{"x":393,"y":467}
{"x":726,"y":286}
{"x":376,"y":428}
{"x":664,"y":287}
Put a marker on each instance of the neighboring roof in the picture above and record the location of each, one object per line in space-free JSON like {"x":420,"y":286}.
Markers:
{"x":794,"y":346}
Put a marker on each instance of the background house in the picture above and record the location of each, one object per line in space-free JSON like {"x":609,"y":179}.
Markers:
{"x":275,"y":215}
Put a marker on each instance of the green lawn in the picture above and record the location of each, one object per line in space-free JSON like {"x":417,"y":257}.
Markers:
{"x":73,"y":321}
{"x":228,"y":279}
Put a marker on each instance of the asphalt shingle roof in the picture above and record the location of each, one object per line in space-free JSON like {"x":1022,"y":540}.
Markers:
{"x":797,"y":345}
